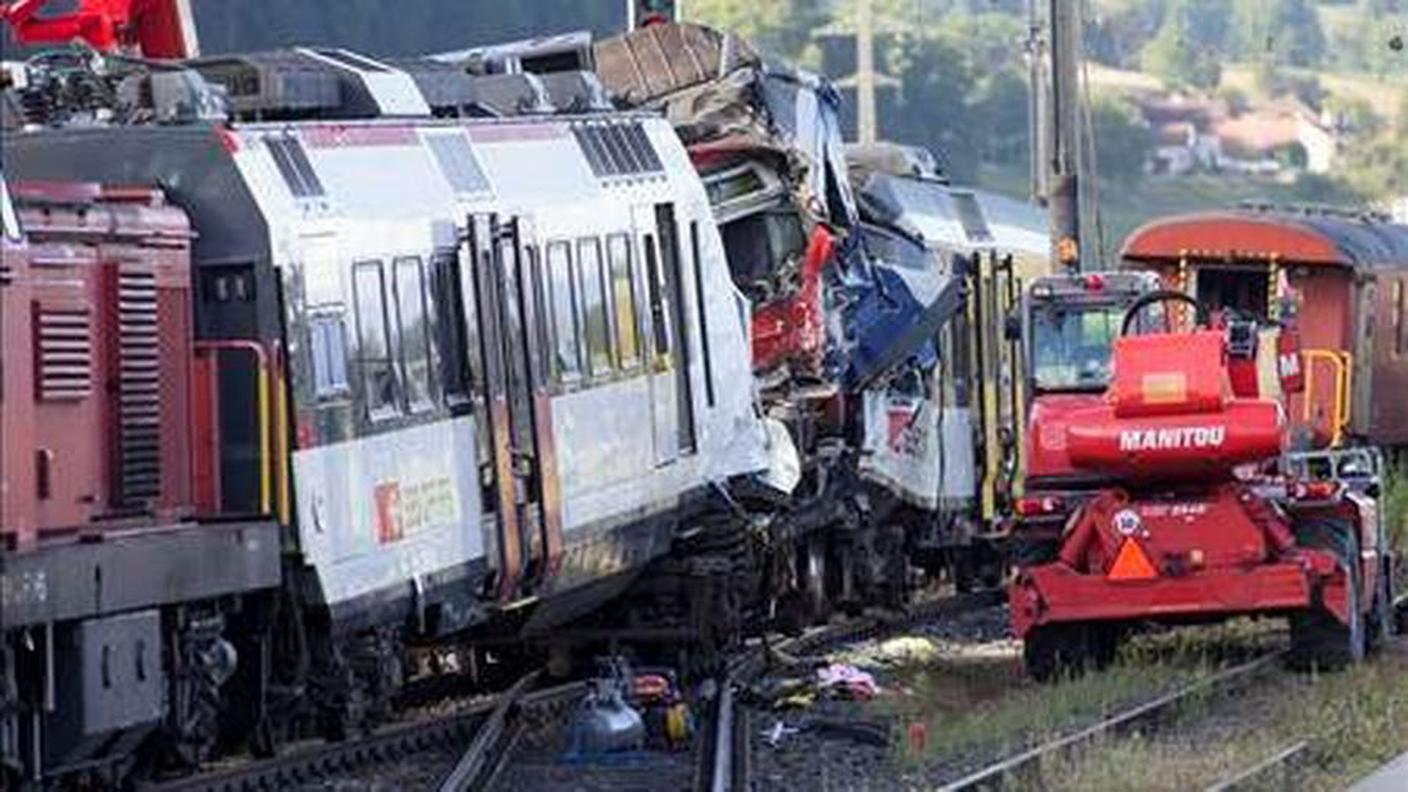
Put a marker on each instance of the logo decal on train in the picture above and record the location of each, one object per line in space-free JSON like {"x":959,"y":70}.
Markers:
{"x":906,"y":434}
{"x":403,"y":509}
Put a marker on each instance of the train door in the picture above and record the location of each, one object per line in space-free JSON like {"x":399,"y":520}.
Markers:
{"x":18,"y":461}
{"x":672,"y":413}
{"x":508,"y":295}
{"x":1361,"y":347}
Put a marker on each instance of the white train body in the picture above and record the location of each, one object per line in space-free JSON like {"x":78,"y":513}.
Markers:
{"x":628,"y":409}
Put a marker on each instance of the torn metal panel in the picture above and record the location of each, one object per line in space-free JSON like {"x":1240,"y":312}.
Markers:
{"x":713,"y":87}
{"x":648,"y":64}
{"x":902,"y":444}
{"x":895,"y":316}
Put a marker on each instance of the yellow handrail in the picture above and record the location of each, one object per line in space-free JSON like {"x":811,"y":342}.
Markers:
{"x":263,"y":398}
{"x":1343,"y":363}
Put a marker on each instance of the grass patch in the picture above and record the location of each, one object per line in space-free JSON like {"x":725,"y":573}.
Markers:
{"x":1395,"y":505}
{"x":1354,"y":721}
{"x":949,"y":696}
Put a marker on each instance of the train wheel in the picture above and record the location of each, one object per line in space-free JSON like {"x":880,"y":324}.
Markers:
{"x":1034,"y":552}
{"x":1054,"y":651}
{"x":1102,"y":644}
{"x":814,"y":579}
{"x":1318,"y":639}
{"x":1380,"y":624}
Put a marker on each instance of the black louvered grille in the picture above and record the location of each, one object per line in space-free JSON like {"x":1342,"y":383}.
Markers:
{"x":65,"y":352}
{"x":139,"y":388}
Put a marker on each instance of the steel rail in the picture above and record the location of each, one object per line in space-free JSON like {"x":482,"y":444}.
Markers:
{"x":302,"y":766}
{"x":1027,"y":764}
{"x":490,"y":746}
{"x":513,"y":708}
{"x":1281,"y":760}
{"x":724,"y":761}
{"x":754,"y":661}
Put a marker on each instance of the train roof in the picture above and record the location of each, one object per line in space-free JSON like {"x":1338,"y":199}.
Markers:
{"x":1291,"y":236}
{"x":957,"y":218}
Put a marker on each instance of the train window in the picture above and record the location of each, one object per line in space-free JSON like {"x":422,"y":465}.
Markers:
{"x":623,"y":277}
{"x":1400,"y":317}
{"x":292,"y":162}
{"x":595,"y":322}
{"x":379,"y":385}
{"x":413,"y":320}
{"x":660,"y":331}
{"x":672,"y":286}
{"x":327,"y":342}
{"x":703,"y":313}
{"x":457,"y":161}
{"x":567,"y":356}
{"x":450,"y":337}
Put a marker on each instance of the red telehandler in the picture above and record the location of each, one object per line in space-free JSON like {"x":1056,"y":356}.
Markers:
{"x":1200,"y":515}
{"x":159,"y":29}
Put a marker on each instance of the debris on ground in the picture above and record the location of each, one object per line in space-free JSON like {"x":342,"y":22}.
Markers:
{"x":873,"y":733}
{"x":843,"y":680}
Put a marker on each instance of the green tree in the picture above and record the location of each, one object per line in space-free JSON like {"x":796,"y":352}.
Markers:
{"x":1122,"y":140}
{"x":1357,"y":116}
{"x":1284,"y":32}
{"x":1116,"y":31}
{"x":1000,"y":108}
{"x":1184,"y":53}
{"x":931,"y":106}
{"x":779,"y":28}
{"x":1379,"y":169}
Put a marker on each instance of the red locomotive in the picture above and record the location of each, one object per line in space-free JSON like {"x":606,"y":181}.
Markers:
{"x":103,"y":430}
{"x":1182,"y":513}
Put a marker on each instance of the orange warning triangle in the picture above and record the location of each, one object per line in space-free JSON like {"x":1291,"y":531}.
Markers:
{"x":1132,"y":563}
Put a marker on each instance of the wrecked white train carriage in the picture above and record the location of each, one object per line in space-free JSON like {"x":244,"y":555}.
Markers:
{"x":939,"y":430}
{"x":767,"y":141}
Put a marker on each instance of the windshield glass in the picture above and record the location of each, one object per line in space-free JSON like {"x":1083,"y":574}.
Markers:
{"x":1071,"y":345}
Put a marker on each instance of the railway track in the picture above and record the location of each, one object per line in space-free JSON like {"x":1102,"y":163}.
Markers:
{"x":312,"y":764}
{"x":1274,"y":770}
{"x":723,"y":756}
{"x":483,"y":759}
{"x":490,"y":728}
{"x":718,"y":760}
{"x":725,"y":761}
{"x":755,"y":659}
{"x":1024,"y":770}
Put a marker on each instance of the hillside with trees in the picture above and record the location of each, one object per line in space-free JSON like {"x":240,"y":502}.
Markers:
{"x":959,"y":70}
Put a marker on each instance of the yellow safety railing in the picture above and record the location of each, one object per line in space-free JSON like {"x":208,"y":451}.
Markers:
{"x":1343,"y":363}
{"x":271,"y":418}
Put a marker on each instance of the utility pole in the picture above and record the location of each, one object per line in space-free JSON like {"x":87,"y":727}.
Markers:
{"x":1064,"y":185}
{"x":866,"y":81}
{"x":1038,"y":116}
{"x":865,"y":72}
